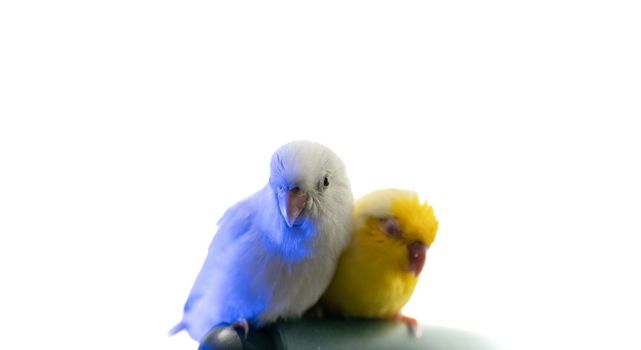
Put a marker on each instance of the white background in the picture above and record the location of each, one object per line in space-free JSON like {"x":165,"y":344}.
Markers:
{"x":128,"y":127}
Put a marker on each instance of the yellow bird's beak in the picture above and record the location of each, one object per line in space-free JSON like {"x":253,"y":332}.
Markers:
{"x":416,"y":253}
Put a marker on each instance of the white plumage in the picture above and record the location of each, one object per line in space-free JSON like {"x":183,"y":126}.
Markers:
{"x":275,"y":252}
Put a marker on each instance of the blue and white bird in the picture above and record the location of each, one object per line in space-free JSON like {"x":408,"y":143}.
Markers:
{"x":275,"y":252}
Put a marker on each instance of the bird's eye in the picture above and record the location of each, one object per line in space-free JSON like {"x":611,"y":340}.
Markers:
{"x":326,"y":181}
{"x":391,"y":226}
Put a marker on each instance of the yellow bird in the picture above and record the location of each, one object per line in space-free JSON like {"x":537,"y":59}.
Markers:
{"x":378,"y":271}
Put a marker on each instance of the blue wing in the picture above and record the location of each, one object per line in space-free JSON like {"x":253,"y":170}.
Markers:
{"x":209,"y":303}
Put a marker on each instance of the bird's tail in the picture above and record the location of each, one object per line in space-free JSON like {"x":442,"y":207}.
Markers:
{"x":177,"y":328}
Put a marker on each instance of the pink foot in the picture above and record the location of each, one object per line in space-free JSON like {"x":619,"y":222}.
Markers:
{"x":242,"y":323}
{"x":412,"y":323}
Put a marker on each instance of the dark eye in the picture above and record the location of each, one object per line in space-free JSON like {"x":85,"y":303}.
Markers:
{"x":392,"y":227}
{"x":326,"y":181}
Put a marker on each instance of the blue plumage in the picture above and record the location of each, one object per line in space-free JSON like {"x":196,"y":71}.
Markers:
{"x":275,"y":252}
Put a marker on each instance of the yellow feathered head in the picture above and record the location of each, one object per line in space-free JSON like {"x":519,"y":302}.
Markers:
{"x":395,"y":222}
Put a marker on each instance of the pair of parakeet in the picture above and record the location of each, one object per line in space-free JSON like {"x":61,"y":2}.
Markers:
{"x":301,"y":239}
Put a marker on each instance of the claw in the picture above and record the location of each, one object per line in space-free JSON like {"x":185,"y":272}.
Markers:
{"x":242,"y":323}
{"x":315,"y":312}
{"x":412,"y":324}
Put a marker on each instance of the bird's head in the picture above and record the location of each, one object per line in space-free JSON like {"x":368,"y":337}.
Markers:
{"x":398,"y":226}
{"x":309,"y":182}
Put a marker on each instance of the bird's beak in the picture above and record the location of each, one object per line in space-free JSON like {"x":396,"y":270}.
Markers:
{"x":291,"y":204}
{"x":416,"y":253}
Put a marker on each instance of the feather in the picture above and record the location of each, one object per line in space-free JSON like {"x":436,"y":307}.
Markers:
{"x":258,"y":268}
{"x":379,"y":269}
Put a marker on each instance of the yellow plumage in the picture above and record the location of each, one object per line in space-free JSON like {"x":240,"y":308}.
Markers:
{"x":374,"y":277}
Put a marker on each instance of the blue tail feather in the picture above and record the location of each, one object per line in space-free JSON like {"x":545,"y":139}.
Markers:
{"x":177,"y":328}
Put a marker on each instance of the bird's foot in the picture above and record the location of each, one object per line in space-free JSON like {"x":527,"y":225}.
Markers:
{"x":412,"y":324}
{"x":315,"y":312}
{"x":241,"y":324}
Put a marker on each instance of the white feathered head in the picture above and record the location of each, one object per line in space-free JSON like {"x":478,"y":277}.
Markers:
{"x":310,"y":183}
